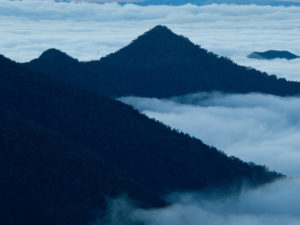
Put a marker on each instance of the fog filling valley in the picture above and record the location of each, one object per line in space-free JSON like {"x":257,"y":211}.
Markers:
{"x":261,"y":128}
{"x":264,"y":129}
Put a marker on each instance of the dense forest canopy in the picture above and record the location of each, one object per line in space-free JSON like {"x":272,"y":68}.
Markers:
{"x":64,"y":148}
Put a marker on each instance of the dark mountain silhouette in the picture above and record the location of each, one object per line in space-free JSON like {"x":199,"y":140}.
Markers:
{"x":47,"y":179}
{"x":55,"y":138}
{"x":160,"y":63}
{"x":273,"y":54}
{"x":62,"y":66}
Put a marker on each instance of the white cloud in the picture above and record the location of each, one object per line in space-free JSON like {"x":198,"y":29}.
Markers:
{"x":89,"y":31}
{"x":274,"y":204}
{"x":264,"y":129}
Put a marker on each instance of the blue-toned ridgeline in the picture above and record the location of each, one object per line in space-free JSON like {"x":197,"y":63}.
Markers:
{"x":160,"y":63}
{"x":64,"y":149}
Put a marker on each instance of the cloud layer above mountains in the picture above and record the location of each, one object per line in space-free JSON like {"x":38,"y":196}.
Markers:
{"x":264,"y":129}
{"x":89,"y":31}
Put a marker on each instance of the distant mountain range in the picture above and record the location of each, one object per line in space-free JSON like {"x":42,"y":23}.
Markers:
{"x":160,"y":63}
{"x":64,"y":149}
{"x":273,"y":54}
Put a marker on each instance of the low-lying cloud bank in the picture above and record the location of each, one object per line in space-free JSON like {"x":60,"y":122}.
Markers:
{"x":274,"y":204}
{"x":264,"y":129}
{"x":89,"y":31}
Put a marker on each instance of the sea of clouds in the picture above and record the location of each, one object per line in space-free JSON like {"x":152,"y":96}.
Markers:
{"x":260,"y":128}
{"x":89,"y":31}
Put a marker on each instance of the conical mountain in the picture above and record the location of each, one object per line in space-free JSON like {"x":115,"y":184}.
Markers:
{"x":158,"y":45}
{"x":53,"y":54}
{"x":160,"y":63}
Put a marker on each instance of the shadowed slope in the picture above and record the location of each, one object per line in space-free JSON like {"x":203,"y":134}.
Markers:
{"x":157,"y":158}
{"x":46,"y":179}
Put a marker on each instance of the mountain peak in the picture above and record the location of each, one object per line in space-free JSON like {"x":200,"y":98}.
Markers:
{"x":54,"y":54}
{"x":160,"y":29}
{"x":160,"y":63}
{"x":159,"y":33}
{"x":156,"y":45}
{"x":51,"y":51}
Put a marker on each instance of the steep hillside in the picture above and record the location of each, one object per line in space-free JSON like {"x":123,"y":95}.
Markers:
{"x":55,"y":138}
{"x":46,"y":179}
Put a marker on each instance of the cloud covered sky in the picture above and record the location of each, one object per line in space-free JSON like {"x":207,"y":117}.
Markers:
{"x":264,"y":129}
{"x":89,"y":31}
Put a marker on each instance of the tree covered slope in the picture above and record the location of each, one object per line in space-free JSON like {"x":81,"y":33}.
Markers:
{"x":64,"y":148}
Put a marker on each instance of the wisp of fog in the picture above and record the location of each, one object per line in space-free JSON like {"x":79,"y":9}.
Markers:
{"x":273,"y":204}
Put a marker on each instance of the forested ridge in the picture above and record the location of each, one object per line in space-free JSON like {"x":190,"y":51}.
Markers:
{"x":160,"y":64}
{"x":64,"y":149}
